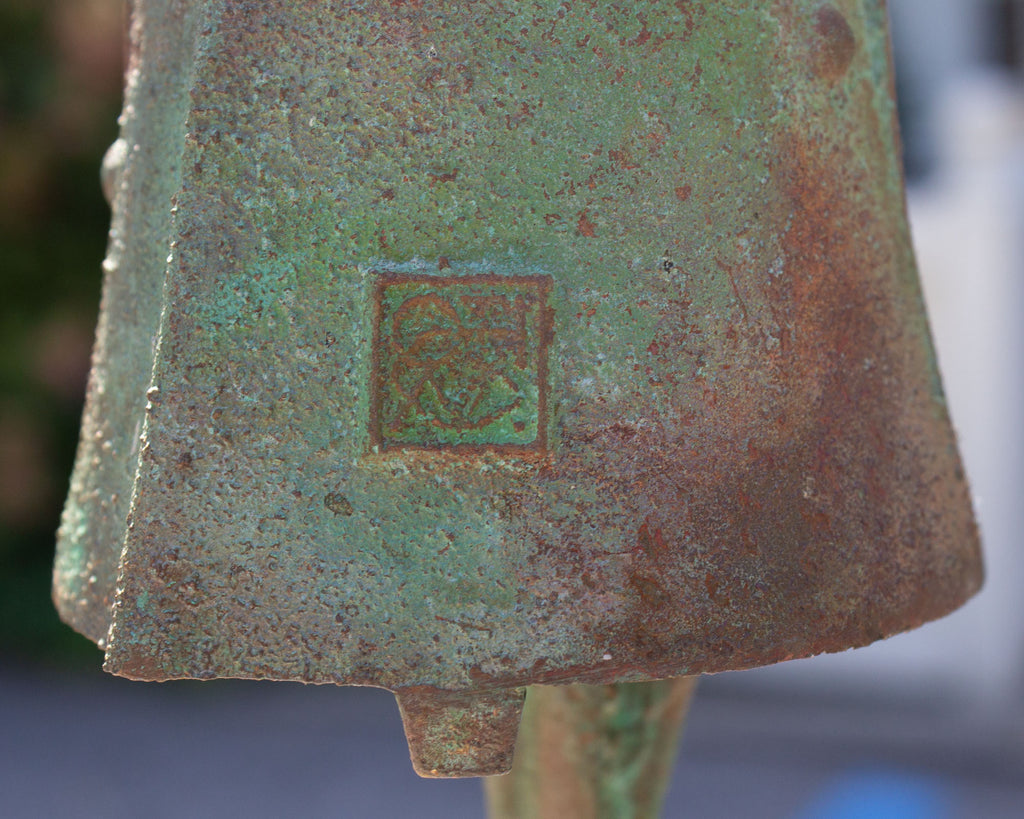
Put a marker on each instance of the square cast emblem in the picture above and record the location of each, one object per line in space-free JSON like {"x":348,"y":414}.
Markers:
{"x":460,"y":361}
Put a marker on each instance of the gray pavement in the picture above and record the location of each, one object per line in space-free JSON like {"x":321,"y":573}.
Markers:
{"x":97,"y":746}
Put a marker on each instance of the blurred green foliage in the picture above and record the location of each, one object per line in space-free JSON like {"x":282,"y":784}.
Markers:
{"x":60,"y":64}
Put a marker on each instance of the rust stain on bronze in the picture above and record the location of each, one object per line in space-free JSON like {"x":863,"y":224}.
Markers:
{"x":583,"y":225}
{"x":835,"y":49}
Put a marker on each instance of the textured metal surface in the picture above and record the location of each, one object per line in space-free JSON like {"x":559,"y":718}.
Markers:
{"x":461,"y":733}
{"x":517,"y":343}
{"x":592,"y":751}
{"x":141,"y":173}
{"x":460,"y":363}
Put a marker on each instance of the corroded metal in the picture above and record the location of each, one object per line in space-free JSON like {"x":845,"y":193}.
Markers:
{"x":507,"y":343}
{"x":141,"y":174}
{"x":593,"y":751}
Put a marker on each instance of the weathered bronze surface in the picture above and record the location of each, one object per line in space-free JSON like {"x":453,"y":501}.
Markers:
{"x":590,"y":751}
{"x":141,"y":174}
{"x":509,"y":343}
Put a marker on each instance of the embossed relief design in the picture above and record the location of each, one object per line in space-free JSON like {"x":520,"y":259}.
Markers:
{"x":460,"y":361}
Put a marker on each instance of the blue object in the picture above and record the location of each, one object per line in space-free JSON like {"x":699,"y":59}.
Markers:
{"x":881,"y":795}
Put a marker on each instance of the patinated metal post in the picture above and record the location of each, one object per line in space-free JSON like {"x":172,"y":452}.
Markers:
{"x":590,"y":751}
{"x":458,"y":347}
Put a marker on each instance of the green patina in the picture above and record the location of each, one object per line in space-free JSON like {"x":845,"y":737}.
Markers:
{"x":499,"y":342}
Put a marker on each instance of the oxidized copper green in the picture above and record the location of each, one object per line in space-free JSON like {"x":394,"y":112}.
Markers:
{"x":509,"y":343}
{"x":142,"y":173}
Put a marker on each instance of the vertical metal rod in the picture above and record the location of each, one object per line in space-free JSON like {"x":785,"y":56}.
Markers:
{"x":593,"y":752}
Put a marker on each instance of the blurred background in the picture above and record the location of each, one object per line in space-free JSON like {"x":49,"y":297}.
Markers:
{"x":929,"y":724}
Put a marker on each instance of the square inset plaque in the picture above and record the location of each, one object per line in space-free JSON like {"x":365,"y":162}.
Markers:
{"x":460,"y":361}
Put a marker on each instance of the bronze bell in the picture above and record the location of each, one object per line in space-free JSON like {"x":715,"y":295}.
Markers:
{"x":458,"y":347}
